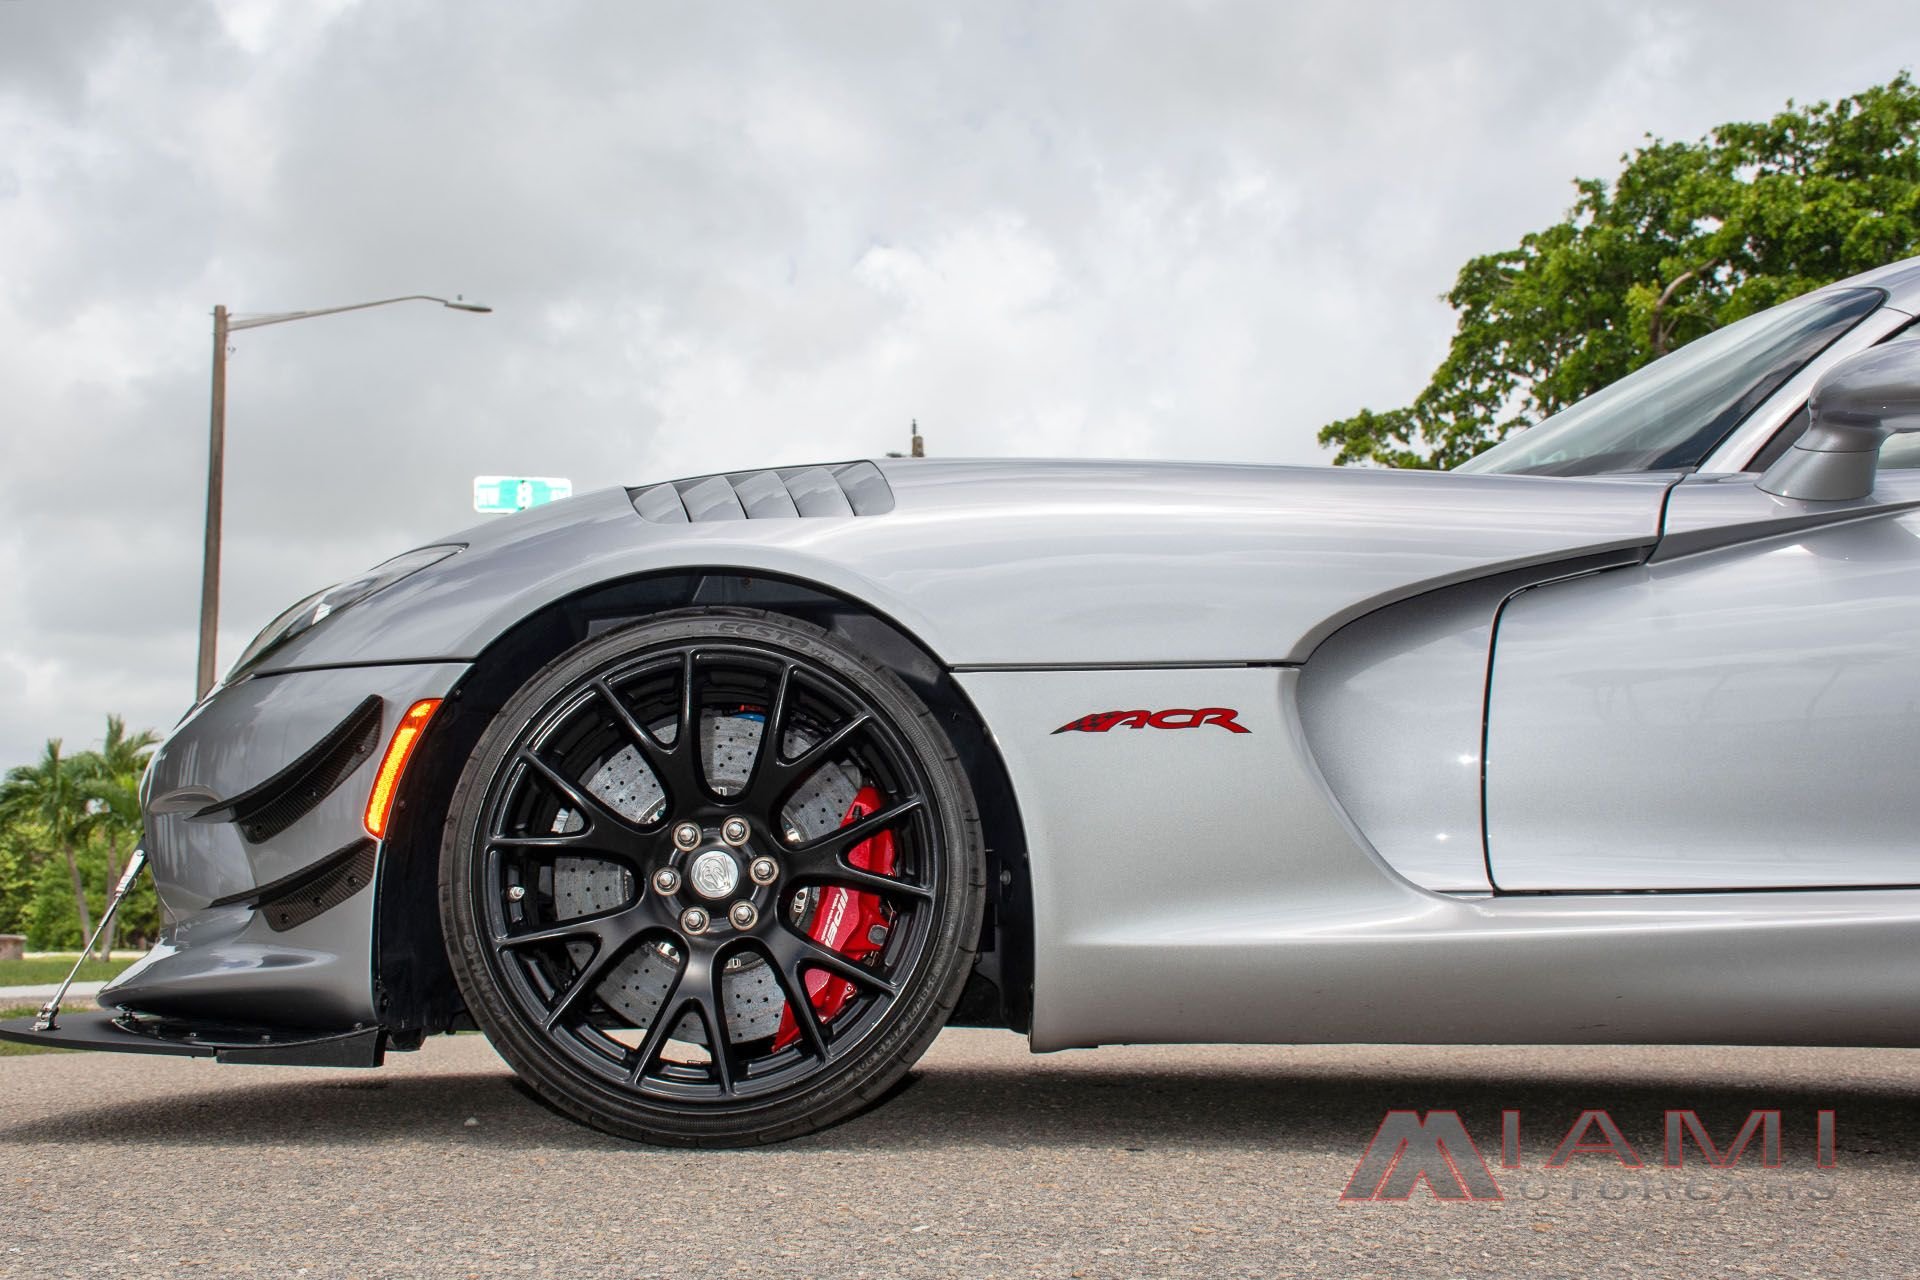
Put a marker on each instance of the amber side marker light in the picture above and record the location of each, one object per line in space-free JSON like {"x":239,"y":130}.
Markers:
{"x":386,"y":783}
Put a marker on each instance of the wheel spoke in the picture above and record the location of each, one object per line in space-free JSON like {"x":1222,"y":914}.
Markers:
{"x":673,"y":767}
{"x":824,"y":860}
{"x":563,"y":840}
{"x":782,"y":776}
{"x":689,"y":730}
{"x":607,"y":831}
{"x":687,"y":770}
{"x":577,"y":797}
{"x":665,"y":1019}
{"x":796,"y":951}
{"x":591,"y":975}
{"x":596,"y":928}
{"x":644,"y":742}
{"x":596,"y":840}
{"x":766,"y":758}
{"x":793,"y":984}
{"x":835,"y":870}
{"x":704,"y":982}
{"x":859,"y":831}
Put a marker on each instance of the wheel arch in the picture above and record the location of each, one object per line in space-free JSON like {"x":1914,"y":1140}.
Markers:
{"x":413,"y":983}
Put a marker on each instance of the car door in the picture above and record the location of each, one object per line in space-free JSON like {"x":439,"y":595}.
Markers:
{"x":1741,"y":712}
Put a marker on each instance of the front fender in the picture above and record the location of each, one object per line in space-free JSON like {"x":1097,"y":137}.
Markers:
{"x":1012,"y":564}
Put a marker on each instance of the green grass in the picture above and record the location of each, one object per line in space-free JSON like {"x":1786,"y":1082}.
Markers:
{"x":46,"y":971}
{"x":50,"y":969}
{"x":8,"y":1048}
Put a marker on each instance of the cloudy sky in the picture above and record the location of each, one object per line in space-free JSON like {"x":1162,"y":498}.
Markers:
{"x":722,"y":236}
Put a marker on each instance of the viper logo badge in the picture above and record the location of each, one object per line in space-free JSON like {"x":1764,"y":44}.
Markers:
{"x":1176,"y":718}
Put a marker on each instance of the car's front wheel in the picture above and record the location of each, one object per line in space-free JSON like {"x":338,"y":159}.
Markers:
{"x":712,"y":879}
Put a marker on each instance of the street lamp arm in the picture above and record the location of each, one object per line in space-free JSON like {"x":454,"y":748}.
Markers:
{"x":282,"y":317}
{"x":224,"y":324}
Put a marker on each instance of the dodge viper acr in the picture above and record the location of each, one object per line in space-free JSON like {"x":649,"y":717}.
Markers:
{"x":711,"y":801}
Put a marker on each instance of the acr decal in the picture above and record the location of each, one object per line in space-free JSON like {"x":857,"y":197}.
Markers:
{"x":1174,"y":718}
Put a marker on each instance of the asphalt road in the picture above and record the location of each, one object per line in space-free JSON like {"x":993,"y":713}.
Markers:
{"x":989,"y":1162}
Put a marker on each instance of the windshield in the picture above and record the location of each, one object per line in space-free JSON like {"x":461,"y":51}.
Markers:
{"x":1673,"y":412}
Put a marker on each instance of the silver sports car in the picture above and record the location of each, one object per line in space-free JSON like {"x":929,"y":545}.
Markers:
{"x":711,"y":801}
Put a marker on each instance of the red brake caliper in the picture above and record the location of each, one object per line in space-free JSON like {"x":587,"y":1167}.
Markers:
{"x":847,"y":920}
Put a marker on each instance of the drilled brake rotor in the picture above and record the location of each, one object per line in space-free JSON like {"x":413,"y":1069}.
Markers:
{"x":583,"y":886}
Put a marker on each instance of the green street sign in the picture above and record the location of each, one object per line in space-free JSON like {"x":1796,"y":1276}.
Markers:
{"x":504,"y":495}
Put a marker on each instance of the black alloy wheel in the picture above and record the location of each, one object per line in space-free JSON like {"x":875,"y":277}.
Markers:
{"x":713,"y":879}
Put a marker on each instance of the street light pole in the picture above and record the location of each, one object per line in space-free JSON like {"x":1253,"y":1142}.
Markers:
{"x":217,"y":454}
{"x":216,"y":484}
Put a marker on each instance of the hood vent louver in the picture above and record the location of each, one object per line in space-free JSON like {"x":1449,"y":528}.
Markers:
{"x":843,"y":489}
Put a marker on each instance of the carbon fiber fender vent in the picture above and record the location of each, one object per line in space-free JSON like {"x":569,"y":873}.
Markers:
{"x":263,"y":812}
{"x":842,"y":489}
{"x":293,"y":900}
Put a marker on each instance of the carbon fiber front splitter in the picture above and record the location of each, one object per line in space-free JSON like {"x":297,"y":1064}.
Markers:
{"x":127,"y":1033}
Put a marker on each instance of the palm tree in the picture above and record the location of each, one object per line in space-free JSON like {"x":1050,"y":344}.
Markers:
{"x":50,"y":795}
{"x":110,"y":784}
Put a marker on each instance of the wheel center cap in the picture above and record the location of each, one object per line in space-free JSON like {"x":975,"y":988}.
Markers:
{"x":714,"y":874}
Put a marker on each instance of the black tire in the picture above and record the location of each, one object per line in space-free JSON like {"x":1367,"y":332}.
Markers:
{"x":560,"y":927}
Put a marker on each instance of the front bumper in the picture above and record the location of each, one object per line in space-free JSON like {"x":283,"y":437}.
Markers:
{"x":254,"y":814}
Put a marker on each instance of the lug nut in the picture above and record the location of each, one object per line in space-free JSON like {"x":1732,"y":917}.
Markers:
{"x":693,"y":920}
{"x":763,"y":870}
{"x":666,"y":880}
{"x":516,"y":892}
{"x":735,"y":831}
{"x":743,"y":915}
{"x":686,"y":835}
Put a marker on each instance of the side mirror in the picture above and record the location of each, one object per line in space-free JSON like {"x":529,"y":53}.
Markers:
{"x":1855,"y":406}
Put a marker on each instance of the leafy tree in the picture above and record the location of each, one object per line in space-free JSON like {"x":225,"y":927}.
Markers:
{"x":49,"y":795}
{"x":47,"y":916}
{"x":110,"y":780}
{"x":20,"y":858}
{"x":84,"y":808}
{"x":1688,"y":237}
